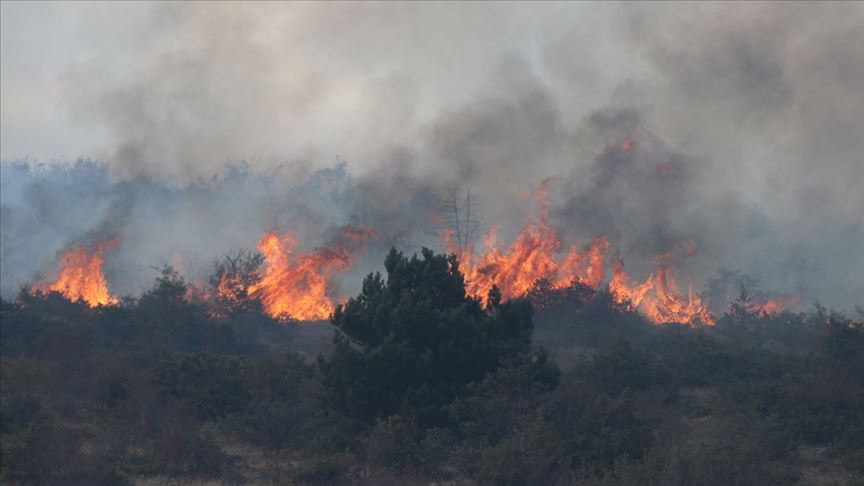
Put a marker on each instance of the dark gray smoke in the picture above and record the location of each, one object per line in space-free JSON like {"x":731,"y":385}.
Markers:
{"x":734,"y":130}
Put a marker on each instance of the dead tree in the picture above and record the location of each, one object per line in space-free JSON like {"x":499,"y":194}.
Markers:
{"x":459,"y":218}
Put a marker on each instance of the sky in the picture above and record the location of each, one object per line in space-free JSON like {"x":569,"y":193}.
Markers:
{"x":271,"y":81}
{"x":759,"y":102}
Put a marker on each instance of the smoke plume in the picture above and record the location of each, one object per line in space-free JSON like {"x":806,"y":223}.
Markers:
{"x":729,"y":133}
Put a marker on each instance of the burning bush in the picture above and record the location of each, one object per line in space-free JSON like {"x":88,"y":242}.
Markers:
{"x":291,"y":286}
{"x":80,"y":276}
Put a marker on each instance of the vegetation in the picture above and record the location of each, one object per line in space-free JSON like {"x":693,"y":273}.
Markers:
{"x":412,"y":344}
{"x":415,"y":382}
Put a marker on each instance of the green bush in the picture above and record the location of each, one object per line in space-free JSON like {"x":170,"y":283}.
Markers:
{"x":411,"y":344}
{"x":181,"y":451}
{"x":212,"y":384}
{"x":393,"y":443}
{"x":528,"y":455}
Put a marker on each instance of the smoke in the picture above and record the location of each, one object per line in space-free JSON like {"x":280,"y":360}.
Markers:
{"x":734,"y":130}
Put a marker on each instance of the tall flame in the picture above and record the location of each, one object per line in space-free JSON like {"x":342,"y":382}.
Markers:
{"x":296,"y":285}
{"x":80,"y":277}
{"x":625,"y":293}
{"x":530,"y":258}
{"x":533,"y":256}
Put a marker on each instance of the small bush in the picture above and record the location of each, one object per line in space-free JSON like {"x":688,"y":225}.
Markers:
{"x":528,"y":455}
{"x":325,"y":469}
{"x":392,"y":443}
{"x":182,"y":451}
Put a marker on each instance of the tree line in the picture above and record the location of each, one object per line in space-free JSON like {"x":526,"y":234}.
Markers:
{"x":415,"y":382}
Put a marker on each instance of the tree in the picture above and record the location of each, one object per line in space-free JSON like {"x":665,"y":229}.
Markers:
{"x":168,"y":318}
{"x":743,"y":309}
{"x":411,"y":344}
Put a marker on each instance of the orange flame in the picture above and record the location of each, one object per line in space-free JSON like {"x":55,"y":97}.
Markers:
{"x":777,"y":304}
{"x":296,"y":286}
{"x":231,"y":293}
{"x":80,"y":277}
{"x":530,"y":258}
{"x":533,"y":257}
{"x":625,"y":293}
{"x":658,"y":297}
{"x":198,"y":292}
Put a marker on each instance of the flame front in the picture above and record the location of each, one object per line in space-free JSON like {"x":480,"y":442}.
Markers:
{"x":625,"y":293}
{"x":80,"y":277}
{"x":296,"y":286}
{"x":530,"y":258}
{"x":534,"y":256}
{"x":658,"y":297}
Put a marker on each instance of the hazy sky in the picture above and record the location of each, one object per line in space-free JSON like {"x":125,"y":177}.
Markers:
{"x":276,"y":80}
{"x":768,"y":92}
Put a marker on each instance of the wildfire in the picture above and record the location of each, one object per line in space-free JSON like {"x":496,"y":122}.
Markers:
{"x":296,"y":285}
{"x":80,"y":277}
{"x":776,"y":305}
{"x":658,"y":297}
{"x":534,"y":256}
{"x":231,"y":289}
{"x":530,"y":258}
{"x":625,"y":293}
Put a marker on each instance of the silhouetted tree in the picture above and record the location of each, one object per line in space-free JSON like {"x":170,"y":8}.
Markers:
{"x":412,"y":343}
{"x":742,"y":309}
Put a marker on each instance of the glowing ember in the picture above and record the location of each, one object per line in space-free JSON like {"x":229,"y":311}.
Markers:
{"x":80,"y":277}
{"x":530,"y":258}
{"x":230,"y":288}
{"x":296,"y":286}
{"x":658,"y":297}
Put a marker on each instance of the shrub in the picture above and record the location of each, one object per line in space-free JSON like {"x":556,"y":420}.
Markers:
{"x":392,"y":443}
{"x":411,"y":344}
